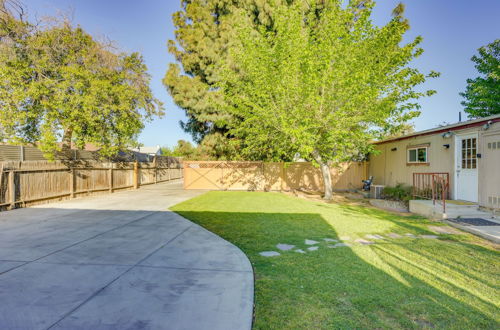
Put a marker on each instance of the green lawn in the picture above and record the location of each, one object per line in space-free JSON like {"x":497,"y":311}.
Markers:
{"x":448,"y":283}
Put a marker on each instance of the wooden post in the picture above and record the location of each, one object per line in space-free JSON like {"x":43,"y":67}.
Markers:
{"x":156,"y":170}
{"x":184,"y":170}
{"x":282,"y":175}
{"x":168,"y":168}
{"x":72,"y":183}
{"x":110,"y":178}
{"x":12,"y":190}
{"x":136,"y":174}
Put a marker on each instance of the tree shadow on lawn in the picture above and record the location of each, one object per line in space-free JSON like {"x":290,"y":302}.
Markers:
{"x":372,"y":286}
{"x":459,"y":247}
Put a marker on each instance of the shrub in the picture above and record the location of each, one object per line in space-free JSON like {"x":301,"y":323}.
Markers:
{"x":400,"y":192}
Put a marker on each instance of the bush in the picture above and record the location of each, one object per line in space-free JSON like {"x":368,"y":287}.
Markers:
{"x":400,"y":192}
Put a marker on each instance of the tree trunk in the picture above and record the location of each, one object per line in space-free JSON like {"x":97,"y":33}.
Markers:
{"x":325,"y":173}
{"x":66,"y":143}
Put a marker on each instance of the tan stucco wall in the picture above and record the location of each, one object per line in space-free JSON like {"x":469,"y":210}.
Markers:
{"x":390,"y":167}
{"x":489,"y":168}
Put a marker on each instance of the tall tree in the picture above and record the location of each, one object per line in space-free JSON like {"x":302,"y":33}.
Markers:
{"x":204,"y":32}
{"x":324,"y":83}
{"x":58,"y":84}
{"x":482,"y":95}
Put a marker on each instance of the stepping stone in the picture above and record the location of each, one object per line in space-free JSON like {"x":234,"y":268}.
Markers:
{"x":269,"y":253}
{"x":338,"y":245}
{"x":330,"y":240}
{"x":310,"y":242}
{"x":313,"y":248}
{"x":445,"y":230}
{"x":428,"y":236}
{"x":374,"y":236}
{"x":299,"y":251}
{"x":394,"y":235}
{"x":410,"y":235}
{"x":345,"y":238}
{"x":363,"y":241}
{"x":285,"y":247}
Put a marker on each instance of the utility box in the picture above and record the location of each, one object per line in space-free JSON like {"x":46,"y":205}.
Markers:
{"x":376,"y":191}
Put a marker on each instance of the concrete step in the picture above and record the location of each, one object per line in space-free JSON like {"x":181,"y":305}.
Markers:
{"x":428,"y":209}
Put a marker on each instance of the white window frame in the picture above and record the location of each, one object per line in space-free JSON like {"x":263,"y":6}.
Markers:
{"x":416,"y":159}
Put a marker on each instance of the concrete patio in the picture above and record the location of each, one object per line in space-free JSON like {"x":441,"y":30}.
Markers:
{"x":455,"y":212}
{"x":120,"y":261}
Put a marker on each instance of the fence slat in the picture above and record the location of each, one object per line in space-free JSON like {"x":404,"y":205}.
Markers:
{"x":35,"y":181}
{"x":228,"y":175}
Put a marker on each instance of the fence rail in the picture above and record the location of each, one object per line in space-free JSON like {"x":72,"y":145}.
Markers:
{"x":434,"y":186}
{"x":230,"y":175}
{"x":23,"y":183}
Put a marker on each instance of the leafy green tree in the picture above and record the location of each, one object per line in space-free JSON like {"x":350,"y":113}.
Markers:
{"x":187,"y":151}
{"x":482,"y":95}
{"x":204,"y":32}
{"x":323,"y":83}
{"x":57,"y":83}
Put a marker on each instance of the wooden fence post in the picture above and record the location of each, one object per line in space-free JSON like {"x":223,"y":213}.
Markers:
{"x":136,"y":174}
{"x":184,"y":167}
{"x":72,"y":182}
{"x":168,"y":168}
{"x":156,"y":170}
{"x":110,"y":178}
{"x":282,"y":175}
{"x":12,"y":189}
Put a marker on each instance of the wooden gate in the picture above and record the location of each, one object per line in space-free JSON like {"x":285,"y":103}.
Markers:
{"x":229,"y":175}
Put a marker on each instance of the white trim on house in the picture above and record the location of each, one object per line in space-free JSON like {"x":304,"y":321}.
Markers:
{"x":473,"y":174}
{"x":416,"y":161}
{"x":451,"y":127}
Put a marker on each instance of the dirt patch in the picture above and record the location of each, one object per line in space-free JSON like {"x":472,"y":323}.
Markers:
{"x":348,"y":198}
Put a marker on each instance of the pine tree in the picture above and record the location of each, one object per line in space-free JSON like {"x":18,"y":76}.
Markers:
{"x":205,"y":30}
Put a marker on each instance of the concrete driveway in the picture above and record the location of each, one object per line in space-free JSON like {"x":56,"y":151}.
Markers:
{"x":120,"y":261}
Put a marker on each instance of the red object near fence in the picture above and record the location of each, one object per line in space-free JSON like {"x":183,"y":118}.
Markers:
{"x":434,"y":185}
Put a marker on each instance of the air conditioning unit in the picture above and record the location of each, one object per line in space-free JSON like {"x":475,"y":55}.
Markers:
{"x":376,"y":191}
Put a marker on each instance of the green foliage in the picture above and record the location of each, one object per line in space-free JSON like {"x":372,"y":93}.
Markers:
{"x":402,"y":283}
{"x":57,"y":83}
{"x":323,"y":83}
{"x":482,"y":95}
{"x":204,"y":32}
{"x":187,"y":151}
{"x":400,"y":192}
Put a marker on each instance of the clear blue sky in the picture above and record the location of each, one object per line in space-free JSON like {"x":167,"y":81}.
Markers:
{"x":452,"y":32}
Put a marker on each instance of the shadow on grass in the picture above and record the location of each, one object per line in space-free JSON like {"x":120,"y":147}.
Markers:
{"x":403,"y":283}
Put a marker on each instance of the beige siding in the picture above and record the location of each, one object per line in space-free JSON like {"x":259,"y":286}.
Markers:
{"x":489,"y":168}
{"x":390,"y":166}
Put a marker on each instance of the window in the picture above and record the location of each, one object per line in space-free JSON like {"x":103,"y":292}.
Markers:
{"x":469,"y":153}
{"x":417,"y":155}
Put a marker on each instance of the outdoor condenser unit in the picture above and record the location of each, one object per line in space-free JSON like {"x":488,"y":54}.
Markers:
{"x":376,"y":191}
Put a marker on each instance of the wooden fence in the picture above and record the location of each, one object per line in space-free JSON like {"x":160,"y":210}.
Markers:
{"x":225,"y":175}
{"x":29,"y":182}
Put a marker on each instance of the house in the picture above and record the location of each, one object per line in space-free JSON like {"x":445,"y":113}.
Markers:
{"x":466,"y":154}
{"x":151,"y":151}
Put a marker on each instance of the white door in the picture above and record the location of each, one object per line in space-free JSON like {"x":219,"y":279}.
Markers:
{"x":466,"y":167}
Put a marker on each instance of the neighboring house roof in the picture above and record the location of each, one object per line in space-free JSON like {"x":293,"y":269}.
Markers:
{"x":148,"y":150}
{"x":447,"y":128}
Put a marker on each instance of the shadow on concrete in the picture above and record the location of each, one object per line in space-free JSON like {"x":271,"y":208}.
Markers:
{"x":97,"y":268}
